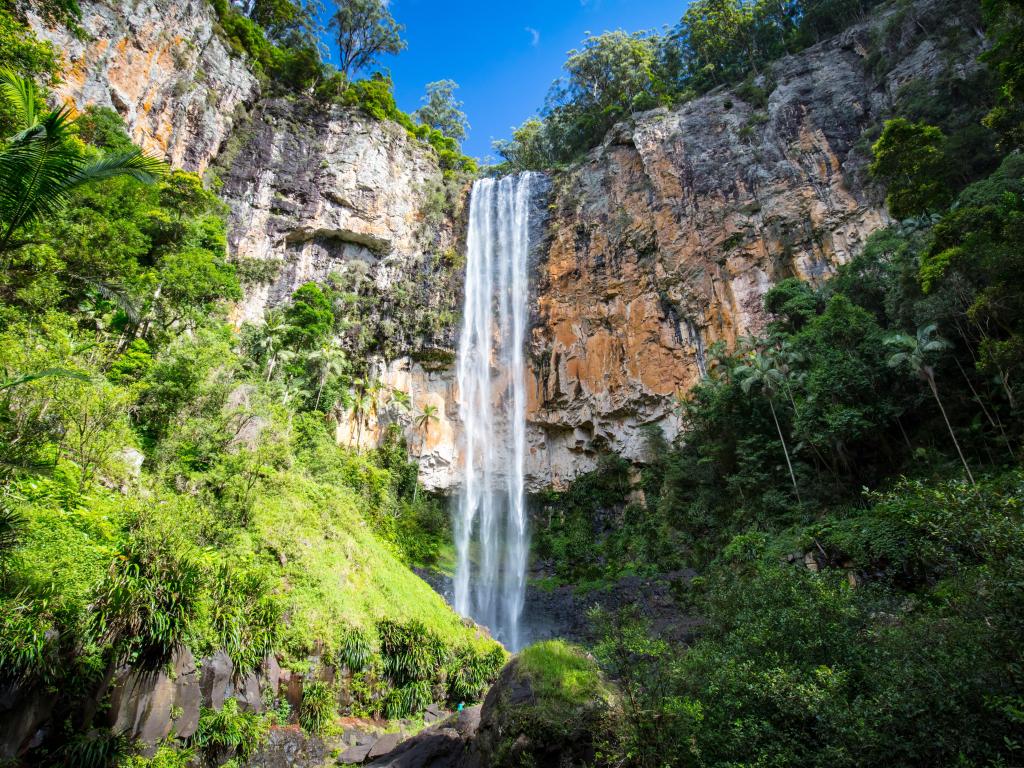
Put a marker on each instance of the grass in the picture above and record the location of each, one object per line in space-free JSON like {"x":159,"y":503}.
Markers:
{"x":561,"y":673}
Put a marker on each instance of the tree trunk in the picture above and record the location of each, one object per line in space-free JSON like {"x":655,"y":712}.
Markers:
{"x":785,"y":450}
{"x":952,"y":434}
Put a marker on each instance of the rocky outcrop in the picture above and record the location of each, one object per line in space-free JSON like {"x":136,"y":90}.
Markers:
{"x":666,"y":238}
{"x":163,"y":67}
{"x":148,"y":705}
{"x":325,"y":190}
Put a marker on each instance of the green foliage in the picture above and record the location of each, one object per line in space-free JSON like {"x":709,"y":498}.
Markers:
{"x":40,"y":166}
{"x":309,"y":316}
{"x":246,"y":617}
{"x":94,"y":749}
{"x":364,"y":31}
{"x":787,"y":652}
{"x":1005,"y":27}
{"x":354,"y":650}
{"x":441,"y":111}
{"x":228,"y":733}
{"x":319,"y":707}
{"x":910,"y":159}
{"x":147,"y":604}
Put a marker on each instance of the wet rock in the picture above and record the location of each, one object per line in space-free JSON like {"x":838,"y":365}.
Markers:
{"x":355,"y":755}
{"x":219,"y":681}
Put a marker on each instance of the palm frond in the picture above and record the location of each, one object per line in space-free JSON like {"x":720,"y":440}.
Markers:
{"x":46,"y":373}
{"x":20,"y":93}
{"x":137,"y":164}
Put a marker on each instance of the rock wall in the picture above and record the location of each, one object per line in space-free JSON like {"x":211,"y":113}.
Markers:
{"x":666,"y":238}
{"x":162,"y":66}
{"x":323,"y":188}
{"x":661,"y":242}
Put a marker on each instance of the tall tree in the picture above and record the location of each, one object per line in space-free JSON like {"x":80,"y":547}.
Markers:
{"x":364,"y":30}
{"x":442,"y":111}
{"x":913,"y":353}
{"x":761,"y":371}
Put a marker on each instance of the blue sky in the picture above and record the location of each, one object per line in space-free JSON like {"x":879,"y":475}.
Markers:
{"x":504,"y":55}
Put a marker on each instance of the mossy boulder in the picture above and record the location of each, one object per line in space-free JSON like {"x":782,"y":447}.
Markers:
{"x":551,"y":707}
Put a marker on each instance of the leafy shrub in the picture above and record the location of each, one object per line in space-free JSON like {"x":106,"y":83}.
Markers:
{"x":246,"y":616}
{"x":408,"y":700}
{"x":100,"y":748}
{"x":228,"y":733}
{"x":319,"y":707}
{"x":354,"y":650}
{"x":148,"y":602}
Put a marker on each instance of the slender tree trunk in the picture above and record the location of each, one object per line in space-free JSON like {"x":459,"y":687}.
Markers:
{"x":319,"y":391}
{"x":952,"y":434}
{"x":785,"y":450}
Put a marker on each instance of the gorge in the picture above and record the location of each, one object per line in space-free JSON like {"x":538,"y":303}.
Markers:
{"x":685,"y":432}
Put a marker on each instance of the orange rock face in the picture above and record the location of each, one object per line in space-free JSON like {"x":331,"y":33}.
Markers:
{"x":664,"y":240}
{"x":163,"y":67}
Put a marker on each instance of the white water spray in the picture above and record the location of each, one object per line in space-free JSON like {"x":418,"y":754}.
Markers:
{"x":492,"y":406}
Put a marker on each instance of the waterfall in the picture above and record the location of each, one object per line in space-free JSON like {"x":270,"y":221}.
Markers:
{"x":490,"y":522}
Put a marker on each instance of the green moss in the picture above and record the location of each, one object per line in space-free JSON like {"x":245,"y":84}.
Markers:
{"x":562,"y":674}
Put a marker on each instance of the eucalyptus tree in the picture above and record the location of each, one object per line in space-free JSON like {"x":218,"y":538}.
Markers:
{"x":761,"y":370}
{"x":40,"y":166}
{"x":913,"y":353}
{"x":442,"y":111}
{"x":364,"y":31}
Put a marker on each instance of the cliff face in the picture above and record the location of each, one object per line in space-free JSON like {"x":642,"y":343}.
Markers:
{"x":162,"y":66}
{"x":665,"y":240}
{"x":660,"y":243}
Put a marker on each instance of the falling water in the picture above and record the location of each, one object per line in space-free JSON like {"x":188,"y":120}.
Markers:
{"x":491,"y":516}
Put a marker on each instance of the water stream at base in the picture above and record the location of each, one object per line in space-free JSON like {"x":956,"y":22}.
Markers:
{"x":491,"y":536}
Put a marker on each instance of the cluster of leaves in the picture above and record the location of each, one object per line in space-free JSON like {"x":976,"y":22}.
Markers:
{"x":617,"y":74}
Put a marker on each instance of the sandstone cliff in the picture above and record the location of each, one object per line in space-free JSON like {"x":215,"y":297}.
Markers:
{"x":662,"y":241}
{"x":163,"y":67}
{"x":666,"y":238}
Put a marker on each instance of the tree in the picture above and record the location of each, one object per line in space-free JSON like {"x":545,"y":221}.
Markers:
{"x":328,"y":360}
{"x":364,"y":30}
{"x":361,"y":404}
{"x":913,"y":354}
{"x":422,"y":422}
{"x":760,"y":370}
{"x":442,"y":111}
{"x":910,"y":158}
{"x":310,"y":317}
{"x":608,"y":78}
{"x":40,"y":166}
{"x":275,"y":331}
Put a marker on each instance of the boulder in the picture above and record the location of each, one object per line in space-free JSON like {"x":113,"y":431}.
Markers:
{"x":550,"y":706}
{"x":219,"y":681}
{"x":22,"y":713}
{"x":148,"y":705}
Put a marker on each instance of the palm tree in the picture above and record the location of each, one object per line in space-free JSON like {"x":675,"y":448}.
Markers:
{"x":401,"y":400}
{"x":40,"y":166}
{"x":422,"y":422}
{"x":329,"y":361}
{"x":760,"y":370}
{"x":275,"y":329}
{"x":913,"y":354}
{"x":361,"y":403}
